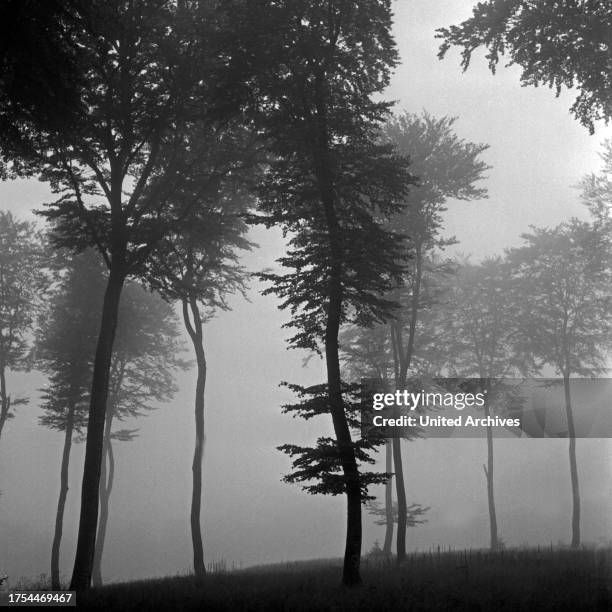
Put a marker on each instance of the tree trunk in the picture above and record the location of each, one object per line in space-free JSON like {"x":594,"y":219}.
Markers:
{"x":88,"y":520}
{"x":106,"y":486}
{"x":352,"y":553}
{"x":488,"y":470}
{"x":195,"y":329}
{"x":389,"y":518}
{"x":5,"y":399}
{"x":61,"y":502}
{"x":402,"y":506}
{"x":414,"y":310}
{"x":401,"y":367}
{"x":573,"y":465}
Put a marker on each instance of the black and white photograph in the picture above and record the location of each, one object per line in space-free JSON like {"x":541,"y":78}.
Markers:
{"x":306,"y":305}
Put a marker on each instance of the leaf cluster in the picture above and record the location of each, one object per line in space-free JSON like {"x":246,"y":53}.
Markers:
{"x":322,"y":462}
{"x":565,"y":43}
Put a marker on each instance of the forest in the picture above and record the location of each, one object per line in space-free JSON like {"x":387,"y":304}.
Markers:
{"x":215,"y":216}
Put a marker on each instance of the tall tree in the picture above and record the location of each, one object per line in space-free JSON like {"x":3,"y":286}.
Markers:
{"x":480,"y":314}
{"x":145,"y":357}
{"x":330,"y":185}
{"x":198,"y":268}
{"x":22,"y":281}
{"x":565,"y":274}
{"x":142,"y":360}
{"x":447,"y":167}
{"x":143,"y":75}
{"x":560,"y":44}
{"x":64,"y":351}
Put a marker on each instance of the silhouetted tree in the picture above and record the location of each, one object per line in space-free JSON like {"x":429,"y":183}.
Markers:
{"x":566,"y":311}
{"x":198,"y":267}
{"x":415,"y":514}
{"x":22,"y":282}
{"x":480,"y":315}
{"x":143,"y":75}
{"x":65,"y":348}
{"x":145,"y":358}
{"x":446,"y":167}
{"x":560,"y":44}
{"x":330,"y":185}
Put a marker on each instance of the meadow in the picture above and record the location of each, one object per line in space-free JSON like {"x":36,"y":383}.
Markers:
{"x":514,"y":579}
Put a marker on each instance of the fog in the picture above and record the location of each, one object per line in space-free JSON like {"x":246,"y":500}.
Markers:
{"x":538,"y":152}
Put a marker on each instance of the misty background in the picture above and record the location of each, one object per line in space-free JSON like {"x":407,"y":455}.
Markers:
{"x":538,"y":152}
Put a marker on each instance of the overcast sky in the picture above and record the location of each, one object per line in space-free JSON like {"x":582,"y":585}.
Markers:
{"x":537,"y":153}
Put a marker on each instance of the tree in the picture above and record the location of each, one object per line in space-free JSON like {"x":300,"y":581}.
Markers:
{"x":566,"y":316}
{"x":415,"y":514}
{"x":22,"y":281}
{"x":560,"y":44}
{"x":145,"y":358}
{"x":143,"y":76}
{"x":446,"y":167}
{"x":330,"y":185}
{"x":65,"y":347}
{"x":199,"y":268}
{"x":480,"y":314}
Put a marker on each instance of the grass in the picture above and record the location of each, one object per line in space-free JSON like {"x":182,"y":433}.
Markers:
{"x":522,"y":579}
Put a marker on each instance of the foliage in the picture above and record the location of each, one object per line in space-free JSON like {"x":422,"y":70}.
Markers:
{"x":146,"y":354}
{"x":23,"y":281}
{"x":66,"y":341}
{"x":146,"y":76}
{"x":201,"y":261}
{"x":144,"y":357}
{"x":322,"y":463}
{"x":566,"y":307}
{"x":414,"y":513}
{"x":559,"y":44}
{"x":446,"y":167}
{"x":479,"y":319}
{"x":323,"y":128}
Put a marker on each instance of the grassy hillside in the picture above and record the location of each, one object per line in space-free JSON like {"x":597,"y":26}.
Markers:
{"x":468,"y":580}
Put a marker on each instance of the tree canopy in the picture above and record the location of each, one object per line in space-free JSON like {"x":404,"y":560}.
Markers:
{"x":565,"y":43}
{"x":22,"y":282}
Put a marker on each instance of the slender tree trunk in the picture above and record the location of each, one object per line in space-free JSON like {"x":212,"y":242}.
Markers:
{"x":414,"y":309}
{"x":401,"y":368}
{"x":403,"y":359}
{"x":61,"y":502}
{"x":106,"y":485}
{"x":488,"y":470}
{"x":195,"y":329}
{"x":83,"y":563}
{"x":352,"y":554}
{"x":389,"y":518}
{"x":402,"y":515}
{"x":573,"y":464}
{"x":5,"y":399}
